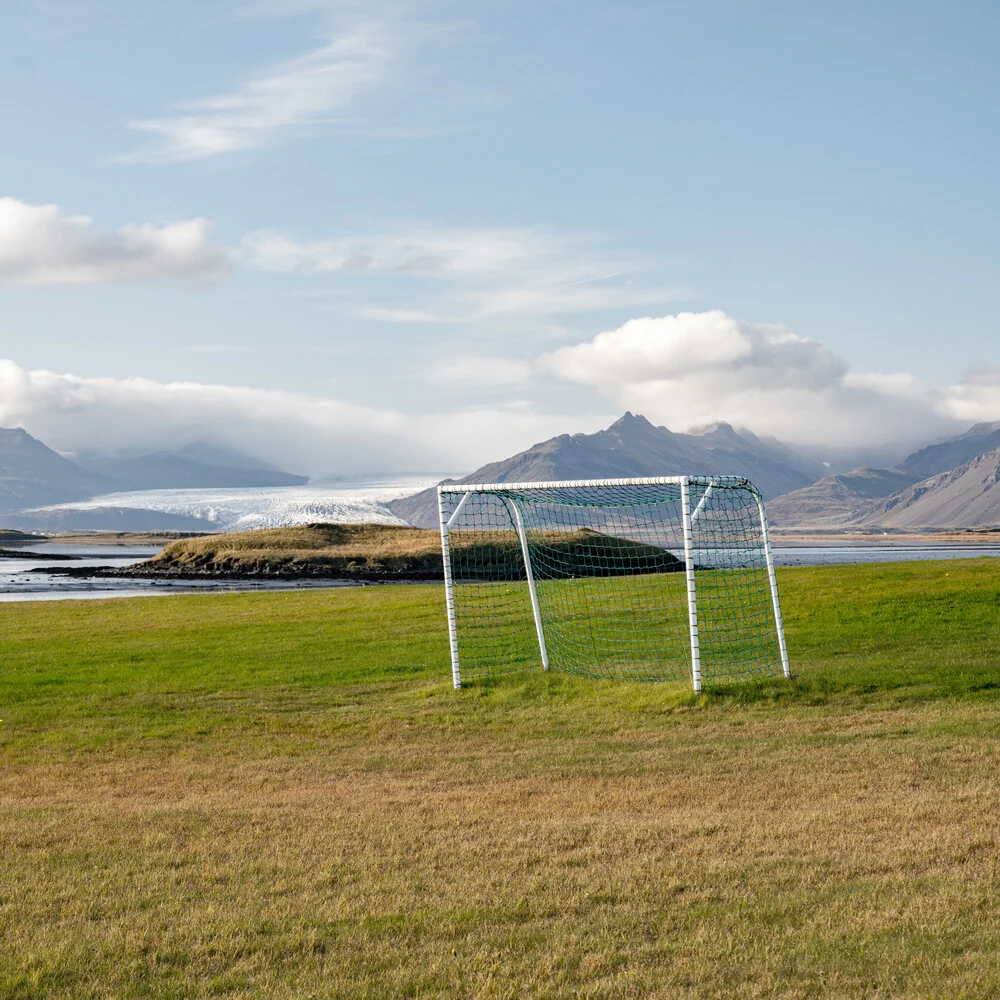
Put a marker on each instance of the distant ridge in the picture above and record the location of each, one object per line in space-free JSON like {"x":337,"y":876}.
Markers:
{"x":965,"y":497}
{"x":853,"y":499}
{"x":834,"y":501}
{"x":192,"y":467}
{"x":632,"y":446}
{"x":104,"y":519}
{"x":32,"y":474}
{"x":950,"y":454}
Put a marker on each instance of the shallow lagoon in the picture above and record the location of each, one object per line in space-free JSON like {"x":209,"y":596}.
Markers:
{"x":28,"y":579}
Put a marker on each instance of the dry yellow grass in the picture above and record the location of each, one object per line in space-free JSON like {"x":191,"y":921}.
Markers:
{"x":379,"y":551}
{"x":349,"y":549}
{"x":669,"y":873}
{"x":336,"y":539}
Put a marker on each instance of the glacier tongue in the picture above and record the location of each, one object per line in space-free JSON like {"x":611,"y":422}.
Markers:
{"x":267,"y":507}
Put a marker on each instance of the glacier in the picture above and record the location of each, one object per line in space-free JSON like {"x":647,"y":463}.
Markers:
{"x":242,"y":509}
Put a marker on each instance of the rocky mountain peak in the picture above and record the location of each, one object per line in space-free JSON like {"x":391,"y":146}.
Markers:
{"x":631,"y":446}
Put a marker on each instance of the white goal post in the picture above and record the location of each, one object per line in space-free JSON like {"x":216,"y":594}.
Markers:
{"x":656,"y":578}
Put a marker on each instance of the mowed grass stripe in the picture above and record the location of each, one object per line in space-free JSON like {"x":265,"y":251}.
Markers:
{"x":280,"y":795}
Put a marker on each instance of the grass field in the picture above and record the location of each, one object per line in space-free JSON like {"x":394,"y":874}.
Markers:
{"x":280,"y":795}
{"x":630,"y":627}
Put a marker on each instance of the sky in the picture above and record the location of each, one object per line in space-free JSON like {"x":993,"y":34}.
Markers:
{"x":413,"y":234}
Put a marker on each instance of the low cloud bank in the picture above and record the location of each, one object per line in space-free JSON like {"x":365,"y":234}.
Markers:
{"x":304,"y":434}
{"x":684,"y":371}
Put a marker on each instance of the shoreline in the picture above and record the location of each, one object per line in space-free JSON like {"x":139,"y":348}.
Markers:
{"x":888,"y":539}
{"x":276,"y":574}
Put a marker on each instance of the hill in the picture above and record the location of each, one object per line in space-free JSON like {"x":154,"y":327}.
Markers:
{"x":129,"y":519}
{"x":835,"y":501}
{"x":966,"y":497}
{"x":632,"y":446}
{"x":196,"y":466}
{"x":381,"y":552}
{"x":848,"y":499}
{"x":952,"y":453}
{"x":32,"y":474}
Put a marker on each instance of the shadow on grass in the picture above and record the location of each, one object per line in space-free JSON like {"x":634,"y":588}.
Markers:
{"x":812,"y":687}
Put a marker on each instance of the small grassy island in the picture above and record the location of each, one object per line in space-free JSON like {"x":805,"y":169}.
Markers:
{"x":361,"y":551}
{"x":379,"y":552}
{"x":13,"y":535}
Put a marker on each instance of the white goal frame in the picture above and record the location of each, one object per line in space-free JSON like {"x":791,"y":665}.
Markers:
{"x":689,"y":517}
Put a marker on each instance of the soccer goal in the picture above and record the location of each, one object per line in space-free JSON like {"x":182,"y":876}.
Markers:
{"x":667,"y":578}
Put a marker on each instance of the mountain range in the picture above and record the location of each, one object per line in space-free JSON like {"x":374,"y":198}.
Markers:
{"x":33,"y":475}
{"x":942,"y":485}
{"x":632,"y":446}
{"x":950,"y":484}
{"x":192,"y":467}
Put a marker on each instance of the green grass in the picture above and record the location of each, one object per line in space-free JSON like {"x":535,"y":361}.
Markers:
{"x":625,"y":627}
{"x":280,"y":795}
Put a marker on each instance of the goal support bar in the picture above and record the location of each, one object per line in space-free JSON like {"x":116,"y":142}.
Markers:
{"x":449,"y":591}
{"x":536,"y":612}
{"x":769,"y":556}
{"x":692,"y":593}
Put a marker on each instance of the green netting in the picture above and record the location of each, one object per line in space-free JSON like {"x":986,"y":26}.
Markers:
{"x":608,"y":564}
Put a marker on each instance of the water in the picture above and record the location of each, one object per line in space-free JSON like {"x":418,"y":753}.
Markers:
{"x":27,"y":579}
{"x":827,"y":555}
{"x":347,"y":502}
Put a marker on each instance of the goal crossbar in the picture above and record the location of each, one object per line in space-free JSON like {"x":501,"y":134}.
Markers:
{"x":580,"y":484}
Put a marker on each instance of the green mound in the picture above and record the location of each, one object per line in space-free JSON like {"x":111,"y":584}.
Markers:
{"x":13,"y":535}
{"x":389,"y":552}
{"x":362,"y":551}
{"x":560,"y":555}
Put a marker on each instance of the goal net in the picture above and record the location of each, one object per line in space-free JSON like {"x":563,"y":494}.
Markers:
{"x":667,"y":578}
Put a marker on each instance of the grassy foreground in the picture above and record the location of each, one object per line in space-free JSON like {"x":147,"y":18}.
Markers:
{"x":280,"y":795}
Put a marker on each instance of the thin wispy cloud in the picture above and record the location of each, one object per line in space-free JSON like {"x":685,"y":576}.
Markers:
{"x":42,"y":245}
{"x":314,"y":89}
{"x":467,"y":274}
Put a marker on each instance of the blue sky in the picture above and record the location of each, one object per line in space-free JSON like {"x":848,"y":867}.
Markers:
{"x":433,"y":232}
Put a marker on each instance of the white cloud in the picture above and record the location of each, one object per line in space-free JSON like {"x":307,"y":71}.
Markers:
{"x":467,"y":274}
{"x":690,"y":369}
{"x":977,"y":396}
{"x":41,"y":245}
{"x":308,"y":434}
{"x":313,"y":89}
{"x":683,"y":371}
